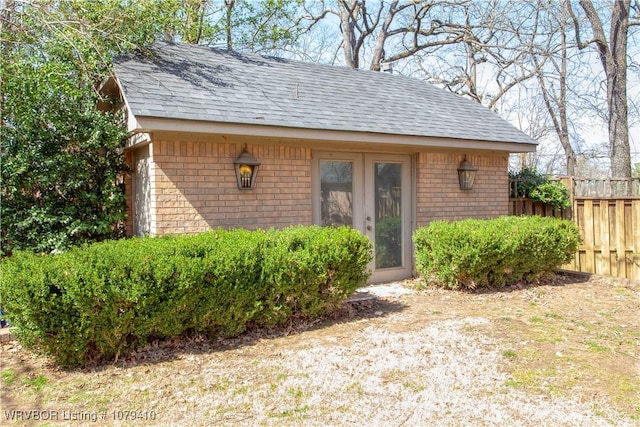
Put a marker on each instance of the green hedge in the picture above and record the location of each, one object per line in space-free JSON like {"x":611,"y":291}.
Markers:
{"x":499,"y":252}
{"x":104,"y":300}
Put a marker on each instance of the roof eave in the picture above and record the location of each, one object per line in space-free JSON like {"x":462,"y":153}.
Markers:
{"x":146,"y":124}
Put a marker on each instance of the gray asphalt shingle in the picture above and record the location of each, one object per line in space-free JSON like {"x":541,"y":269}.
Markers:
{"x":180,"y":81}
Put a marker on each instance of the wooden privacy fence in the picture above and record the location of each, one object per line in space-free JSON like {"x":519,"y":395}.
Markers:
{"x":523,"y":206}
{"x":610,"y":231}
{"x":607,"y":212}
{"x":605,"y":188}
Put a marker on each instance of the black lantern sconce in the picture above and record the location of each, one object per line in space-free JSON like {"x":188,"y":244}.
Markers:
{"x":246,"y":170}
{"x":466,"y":174}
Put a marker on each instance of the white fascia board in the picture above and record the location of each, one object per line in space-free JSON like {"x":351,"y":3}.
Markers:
{"x":132,"y":122}
{"x":151,"y":124}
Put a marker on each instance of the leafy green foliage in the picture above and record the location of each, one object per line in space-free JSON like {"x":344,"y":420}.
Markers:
{"x":554,"y":194}
{"x":103,"y":300}
{"x":60,"y":165}
{"x":259,"y":25}
{"x":62,"y":159}
{"x":529,"y":183}
{"x":477,"y":253}
{"x":527,"y":180}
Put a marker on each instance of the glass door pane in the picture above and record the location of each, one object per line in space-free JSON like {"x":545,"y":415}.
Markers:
{"x":388,"y":214}
{"x":336,"y":193}
{"x":370,"y":192}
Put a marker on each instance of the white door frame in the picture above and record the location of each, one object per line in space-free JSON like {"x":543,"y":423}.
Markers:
{"x":405,"y":269}
{"x":363,"y":203}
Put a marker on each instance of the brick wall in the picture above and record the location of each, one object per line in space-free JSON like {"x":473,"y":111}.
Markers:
{"x":438,"y":194}
{"x":196,"y":187}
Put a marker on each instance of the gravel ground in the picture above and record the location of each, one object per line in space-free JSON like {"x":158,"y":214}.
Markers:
{"x":389,"y":370}
{"x":439,"y":375}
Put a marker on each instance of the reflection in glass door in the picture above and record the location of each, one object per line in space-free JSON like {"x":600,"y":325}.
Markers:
{"x":336,"y":192}
{"x":388,"y":214}
{"x":371,"y":193}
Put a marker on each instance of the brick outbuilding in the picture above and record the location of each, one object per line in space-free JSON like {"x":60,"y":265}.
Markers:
{"x":376,"y":151}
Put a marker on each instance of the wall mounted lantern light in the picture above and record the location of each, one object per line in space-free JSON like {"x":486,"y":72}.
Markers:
{"x":246,"y":170}
{"x":466,"y":174}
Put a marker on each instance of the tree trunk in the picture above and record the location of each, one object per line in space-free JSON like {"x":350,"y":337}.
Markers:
{"x":613,"y":56}
{"x":381,"y":38}
{"x":348,"y":36}
{"x":229,"y":4}
{"x":563,"y":134}
{"x":617,"y":92}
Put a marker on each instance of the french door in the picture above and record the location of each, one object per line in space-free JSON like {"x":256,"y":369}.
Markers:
{"x":371,"y":193}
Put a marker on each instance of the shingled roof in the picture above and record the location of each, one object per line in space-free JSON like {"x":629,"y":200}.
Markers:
{"x":178,"y":81}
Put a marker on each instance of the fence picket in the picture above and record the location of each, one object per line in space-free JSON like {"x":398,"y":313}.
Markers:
{"x":635,"y":232}
{"x":604,"y":225}
{"x":588,"y":237}
{"x":619,"y":239}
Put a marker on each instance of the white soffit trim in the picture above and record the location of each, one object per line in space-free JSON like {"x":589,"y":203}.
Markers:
{"x":151,"y":124}
{"x":138,"y":139}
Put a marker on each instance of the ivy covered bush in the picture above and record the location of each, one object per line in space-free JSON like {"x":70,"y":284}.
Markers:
{"x":499,"y":252}
{"x":527,"y":179}
{"x":529,"y":183}
{"x":104,"y":300}
{"x":552,"y":193}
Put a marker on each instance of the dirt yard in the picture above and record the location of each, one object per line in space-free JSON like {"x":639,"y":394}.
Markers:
{"x":562,"y":352}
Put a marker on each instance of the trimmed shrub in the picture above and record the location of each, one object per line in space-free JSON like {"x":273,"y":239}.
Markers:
{"x":104,"y":300}
{"x":499,"y":252}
